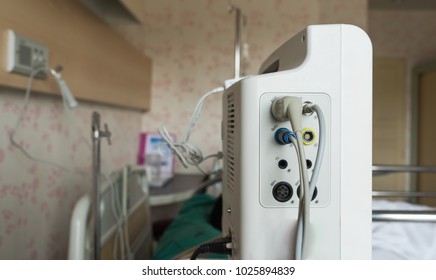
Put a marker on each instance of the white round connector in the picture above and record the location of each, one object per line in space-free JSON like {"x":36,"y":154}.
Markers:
{"x":278,"y":110}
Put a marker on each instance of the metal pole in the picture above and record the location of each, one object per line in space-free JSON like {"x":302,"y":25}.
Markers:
{"x":403,"y":216}
{"x":403,"y":194}
{"x":96,"y":135}
{"x":97,"y":179}
{"x":237,"y":41}
{"x":384,"y":169}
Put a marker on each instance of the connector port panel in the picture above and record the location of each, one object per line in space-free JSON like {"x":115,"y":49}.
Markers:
{"x":272,"y":154}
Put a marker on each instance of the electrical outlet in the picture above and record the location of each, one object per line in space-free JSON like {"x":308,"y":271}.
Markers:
{"x":24,"y":55}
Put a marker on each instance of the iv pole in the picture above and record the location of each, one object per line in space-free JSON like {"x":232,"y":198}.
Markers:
{"x":97,"y":134}
{"x":239,"y":18}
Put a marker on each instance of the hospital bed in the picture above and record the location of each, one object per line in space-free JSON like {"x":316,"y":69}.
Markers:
{"x":401,"y":229}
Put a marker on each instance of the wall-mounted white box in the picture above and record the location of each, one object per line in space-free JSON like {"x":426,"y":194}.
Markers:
{"x":25,"y":55}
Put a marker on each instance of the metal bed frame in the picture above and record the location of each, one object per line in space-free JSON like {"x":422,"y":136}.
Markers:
{"x":402,"y":215}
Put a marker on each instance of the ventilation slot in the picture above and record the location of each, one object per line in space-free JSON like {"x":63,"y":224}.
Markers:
{"x":231,"y":126}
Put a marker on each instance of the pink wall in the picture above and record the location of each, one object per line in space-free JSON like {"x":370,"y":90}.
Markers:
{"x":407,"y":34}
{"x":192,"y":44}
{"x":36,"y":200}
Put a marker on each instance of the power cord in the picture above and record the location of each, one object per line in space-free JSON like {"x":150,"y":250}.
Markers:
{"x":309,"y":108}
{"x":188,"y":153}
{"x":218,"y":246}
{"x":20,"y":118}
{"x":290,"y":109}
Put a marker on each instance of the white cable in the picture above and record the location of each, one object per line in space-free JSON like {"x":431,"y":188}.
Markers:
{"x":290,"y":108}
{"x":188,"y":153}
{"x":300,"y":217}
{"x":197,"y":111}
{"x":20,"y":118}
{"x":294,"y":112}
{"x":178,"y":149}
{"x":304,"y":206}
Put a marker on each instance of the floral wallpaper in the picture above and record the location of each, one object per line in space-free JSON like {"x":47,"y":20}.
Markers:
{"x":36,"y":200}
{"x":408,"y":34}
{"x":191,"y":45}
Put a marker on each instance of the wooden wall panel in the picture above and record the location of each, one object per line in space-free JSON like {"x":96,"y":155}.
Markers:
{"x":427,"y":133}
{"x":389,"y":121}
{"x":99,"y":64}
{"x":136,"y":7}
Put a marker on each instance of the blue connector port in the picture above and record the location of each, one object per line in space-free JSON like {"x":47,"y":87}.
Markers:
{"x":283,"y":136}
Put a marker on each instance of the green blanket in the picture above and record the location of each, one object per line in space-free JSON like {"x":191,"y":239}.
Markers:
{"x":190,"y":229}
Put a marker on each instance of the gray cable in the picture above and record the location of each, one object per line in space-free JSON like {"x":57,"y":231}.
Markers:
{"x":316,"y":170}
{"x":321,"y":148}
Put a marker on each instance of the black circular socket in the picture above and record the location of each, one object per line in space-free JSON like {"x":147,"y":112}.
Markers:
{"x":283,"y":164}
{"x":315,"y":192}
{"x":282,"y":192}
{"x":308,"y":163}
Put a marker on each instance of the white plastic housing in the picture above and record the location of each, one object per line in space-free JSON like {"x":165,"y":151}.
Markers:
{"x":331,"y":66}
{"x":25,"y":55}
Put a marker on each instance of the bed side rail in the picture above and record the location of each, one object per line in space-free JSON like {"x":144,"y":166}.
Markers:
{"x":386,"y":169}
{"x":404,"y":216}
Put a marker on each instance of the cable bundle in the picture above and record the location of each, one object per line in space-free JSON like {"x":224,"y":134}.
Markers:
{"x":188,"y":153}
{"x":291,"y":109}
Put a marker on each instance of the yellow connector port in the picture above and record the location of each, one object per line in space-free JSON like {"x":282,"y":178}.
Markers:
{"x":309,"y":136}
